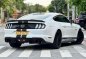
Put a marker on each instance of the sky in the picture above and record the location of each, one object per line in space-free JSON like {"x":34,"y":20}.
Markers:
{"x":41,"y":2}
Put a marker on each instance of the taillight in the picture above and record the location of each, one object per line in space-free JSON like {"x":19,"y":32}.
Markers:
{"x":40,"y":26}
{"x":8,"y":26}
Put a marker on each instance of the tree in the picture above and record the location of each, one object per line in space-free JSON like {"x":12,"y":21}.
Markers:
{"x":3,"y":5}
{"x":19,"y":4}
{"x":39,"y":8}
{"x":80,"y":4}
{"x":35,"y":8}
{"x":59,"y":6}
{"x":51,"y":8}
{"x":11,"y":5}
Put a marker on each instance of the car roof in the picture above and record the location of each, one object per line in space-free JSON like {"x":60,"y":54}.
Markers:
{"x":52,"y":13}
{"x":37,"y":14}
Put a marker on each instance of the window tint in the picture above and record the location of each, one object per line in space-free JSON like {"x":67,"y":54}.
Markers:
{"x":61,"y":18}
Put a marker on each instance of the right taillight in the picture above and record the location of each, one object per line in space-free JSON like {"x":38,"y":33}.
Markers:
{"x":40,"y":26}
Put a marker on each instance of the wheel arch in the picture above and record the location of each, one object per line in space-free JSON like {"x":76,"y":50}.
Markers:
{"x":56,"y":33}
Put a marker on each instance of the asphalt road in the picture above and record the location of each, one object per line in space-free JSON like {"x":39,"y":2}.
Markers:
{"x":27,"y":51}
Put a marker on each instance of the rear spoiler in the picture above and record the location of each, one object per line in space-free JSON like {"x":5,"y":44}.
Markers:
{"x":25,"y":21}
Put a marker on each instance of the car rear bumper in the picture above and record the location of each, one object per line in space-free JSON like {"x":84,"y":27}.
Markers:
{"x":28,"y":38}
{"x":32,"y":34}
{"x":25,"y":40}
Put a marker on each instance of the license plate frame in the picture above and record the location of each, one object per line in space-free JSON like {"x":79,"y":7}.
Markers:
{"x":21,"y":32}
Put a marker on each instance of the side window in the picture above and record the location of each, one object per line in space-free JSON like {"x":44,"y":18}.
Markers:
{"x":61,"y":18}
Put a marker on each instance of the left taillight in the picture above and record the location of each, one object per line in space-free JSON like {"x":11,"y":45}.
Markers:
{"x":8,"y":26}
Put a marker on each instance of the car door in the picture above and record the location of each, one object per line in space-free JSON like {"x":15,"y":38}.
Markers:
{"x":71,"y":29}
{"x":65,"y":25}
{"x":74,"y":30}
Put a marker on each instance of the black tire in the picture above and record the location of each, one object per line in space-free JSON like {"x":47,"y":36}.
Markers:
{"x":15,"y":45}
{"x":84,"y":27}
{"x":57,"y":40}
{"x":80,"y":37}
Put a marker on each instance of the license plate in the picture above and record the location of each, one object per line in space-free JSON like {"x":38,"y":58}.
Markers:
{"x":21,"y":33}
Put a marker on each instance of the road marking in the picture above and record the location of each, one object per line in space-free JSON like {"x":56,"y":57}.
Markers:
{"x":7,"y":52}
{"x":84,"y":42}
{"x":85,"y":36}
{"x":65,"y":53}
{"x":80,"y":50}
{"x":45,"y":53}
{"x":25,"y":53}
{"x":2,"y":47}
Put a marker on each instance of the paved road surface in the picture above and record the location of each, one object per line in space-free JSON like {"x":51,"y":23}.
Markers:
{"x":67,"y":51}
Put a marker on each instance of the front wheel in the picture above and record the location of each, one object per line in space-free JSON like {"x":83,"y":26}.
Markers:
{"x":57,"y":40}
{"x":15,"y":45}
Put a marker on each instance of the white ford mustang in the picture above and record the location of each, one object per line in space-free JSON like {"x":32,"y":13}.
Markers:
{"x":42,"y":28}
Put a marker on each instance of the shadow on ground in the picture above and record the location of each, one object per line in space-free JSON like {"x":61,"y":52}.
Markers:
{"x":45,"y":47}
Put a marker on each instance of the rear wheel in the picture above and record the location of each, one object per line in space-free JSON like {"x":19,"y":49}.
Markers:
{"x":85,"y":26}
{"x":80,"y":37}
{"x":57,"y":40}
{"x":15,"y":45}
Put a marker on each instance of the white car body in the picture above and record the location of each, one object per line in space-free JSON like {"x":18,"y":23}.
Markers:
{"x":51,"y":26}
